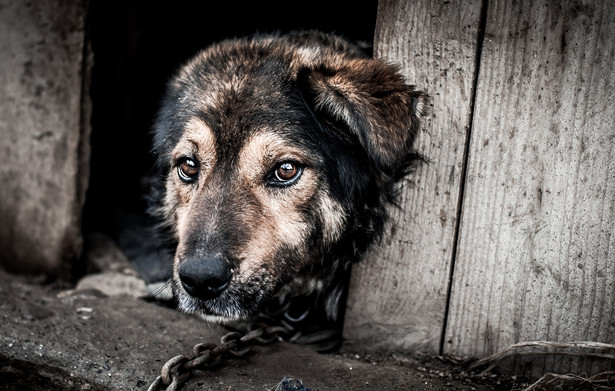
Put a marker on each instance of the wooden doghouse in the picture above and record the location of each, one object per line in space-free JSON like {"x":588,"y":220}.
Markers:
{"x":505,"y":236}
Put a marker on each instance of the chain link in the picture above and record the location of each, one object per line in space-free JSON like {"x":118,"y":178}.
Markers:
{"x":179,"y":369}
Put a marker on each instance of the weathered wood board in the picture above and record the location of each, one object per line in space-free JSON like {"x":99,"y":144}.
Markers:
{"x":536,"y":252}
{"x":398,"y":294}
{"x":534,"y":258}
{"x":44,"y":140}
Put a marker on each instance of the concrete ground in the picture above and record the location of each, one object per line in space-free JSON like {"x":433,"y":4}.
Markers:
{"x":54,"y":338}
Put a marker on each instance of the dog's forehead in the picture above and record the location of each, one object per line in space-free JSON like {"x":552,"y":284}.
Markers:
{"x":270,"y":123}
{"x":260,"y":143}
{"x":232,"y":81}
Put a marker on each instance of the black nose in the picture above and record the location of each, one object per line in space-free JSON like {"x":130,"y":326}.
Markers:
{"x":206,"y":277}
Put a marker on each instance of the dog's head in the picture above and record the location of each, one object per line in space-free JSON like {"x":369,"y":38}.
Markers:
{"x":277,"y":156}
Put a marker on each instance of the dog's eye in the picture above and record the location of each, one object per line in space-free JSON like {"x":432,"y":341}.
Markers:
{"x":286,"y":171}
{"x":286,"y":174}
{"x":187,"y":170}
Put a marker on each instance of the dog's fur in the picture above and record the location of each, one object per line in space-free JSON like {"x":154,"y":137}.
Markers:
{"x":344,"y":124}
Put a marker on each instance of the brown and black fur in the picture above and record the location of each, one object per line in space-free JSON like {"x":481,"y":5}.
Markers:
{"x":246,"y":242}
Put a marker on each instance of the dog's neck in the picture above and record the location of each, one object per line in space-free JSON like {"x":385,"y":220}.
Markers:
{"x":312,"y":305}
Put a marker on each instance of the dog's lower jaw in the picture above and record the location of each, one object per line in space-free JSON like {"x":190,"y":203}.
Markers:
{"x":216,"y":319}
{"x":195,"y":307}
{"x":223,"y":309}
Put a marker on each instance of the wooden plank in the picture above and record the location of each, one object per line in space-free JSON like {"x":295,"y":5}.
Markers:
{"x":536,"y":257}
{"x":44,"y":128}
{"x":398,"y":293}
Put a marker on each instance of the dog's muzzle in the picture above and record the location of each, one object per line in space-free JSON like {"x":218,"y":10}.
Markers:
{"x":205,"y":277}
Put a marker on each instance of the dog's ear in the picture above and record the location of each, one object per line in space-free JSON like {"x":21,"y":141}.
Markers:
{"x":372,"y":101}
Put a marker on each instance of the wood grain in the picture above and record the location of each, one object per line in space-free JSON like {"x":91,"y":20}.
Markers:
{"x":398,"y":294}
{"x":536,"y":257}
{"x":44,"y":134}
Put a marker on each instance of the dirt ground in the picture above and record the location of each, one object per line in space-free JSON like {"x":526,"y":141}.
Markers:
{"x":56,"y":338}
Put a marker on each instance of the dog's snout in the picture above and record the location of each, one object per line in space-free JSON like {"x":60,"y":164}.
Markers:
{"x":205,"y":278}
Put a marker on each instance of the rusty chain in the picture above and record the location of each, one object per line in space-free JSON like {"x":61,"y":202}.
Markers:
{"x":179,"y":369}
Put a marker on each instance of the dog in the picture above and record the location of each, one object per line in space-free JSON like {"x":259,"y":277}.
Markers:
{"x":276,"y":158}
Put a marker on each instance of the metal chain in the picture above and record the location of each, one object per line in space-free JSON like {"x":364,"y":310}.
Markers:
{"x":179,"y":369}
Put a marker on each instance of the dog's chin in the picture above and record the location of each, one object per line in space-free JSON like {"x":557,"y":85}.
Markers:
{"x":217,"y":319}
{"x":223,"y":309}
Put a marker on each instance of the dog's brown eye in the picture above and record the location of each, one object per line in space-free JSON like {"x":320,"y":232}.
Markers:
{"x":286,"y":174}
{"x":187,"y":170}
{"x":286,"y":171}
